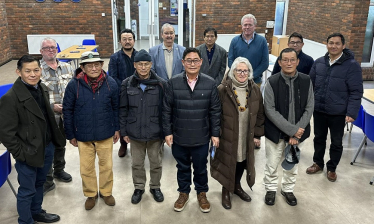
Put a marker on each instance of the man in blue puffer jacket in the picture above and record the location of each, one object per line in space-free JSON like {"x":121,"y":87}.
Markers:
{"x":90,"y":109}
{"x":337,"y":82}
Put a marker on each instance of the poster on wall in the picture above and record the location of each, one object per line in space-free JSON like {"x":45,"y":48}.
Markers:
{"x":173,"y":7}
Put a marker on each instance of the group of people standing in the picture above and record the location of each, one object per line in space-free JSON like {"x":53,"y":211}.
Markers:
{"x":185,"y":98}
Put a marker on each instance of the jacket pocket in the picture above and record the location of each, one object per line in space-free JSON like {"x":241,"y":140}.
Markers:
{"x":134,"y":97}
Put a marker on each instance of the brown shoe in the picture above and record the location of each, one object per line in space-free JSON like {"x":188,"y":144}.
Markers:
{"x":203,"y":202}
{"x":331,"y":176}
{"x":122,"y":150}
{"x":226,"y":203}
{"x":313,"y":169}
{"x":90,"y":203}
{"x":181,"y":202}
{"x":109,"y":200}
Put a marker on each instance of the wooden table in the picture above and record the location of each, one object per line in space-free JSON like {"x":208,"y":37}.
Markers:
{"x":75,"y":52}
{"x":369,"y":95}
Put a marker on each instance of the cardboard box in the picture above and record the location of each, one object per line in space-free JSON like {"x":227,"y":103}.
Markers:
{"x":280,"y":42}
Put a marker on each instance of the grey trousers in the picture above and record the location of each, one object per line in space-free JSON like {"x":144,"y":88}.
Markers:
{"x":138,"y":151}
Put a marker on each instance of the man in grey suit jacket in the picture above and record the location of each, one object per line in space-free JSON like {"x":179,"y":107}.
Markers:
{"x":214,"y":56}
{"x":167,"y":57}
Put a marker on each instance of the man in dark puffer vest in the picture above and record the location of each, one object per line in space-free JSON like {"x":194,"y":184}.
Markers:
{"x":337,"y":82}
{"x":289,"y":103}
{"x":191,"y":118}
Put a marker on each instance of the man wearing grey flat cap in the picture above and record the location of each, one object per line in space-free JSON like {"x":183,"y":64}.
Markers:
{"x":286,"y":123}
{"x":140,"y":118}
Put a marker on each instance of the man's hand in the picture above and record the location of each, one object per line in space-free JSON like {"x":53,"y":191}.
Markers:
{"x":215,"y":141}
{"x":57,"y":108}
{"x":293,"y":141}
{"x":74,"y":142}
{"x":169,"y":140}
{"x":299,"y":133}
{"x":126,"y":139}
{"x":116,"y":136}
{"x":257,"y":142}
{"x":349,"y":119}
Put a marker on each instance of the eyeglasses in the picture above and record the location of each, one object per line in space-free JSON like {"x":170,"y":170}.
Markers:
{"x":141,"y":65}
{"x":293,"y":61}
{"x":169,"y":33}
{"x":238,"y":71}
{"x":297,"y":43}
{"x":195,"y":61}
{"x":49,"y":48}
{"x":91,"y":66}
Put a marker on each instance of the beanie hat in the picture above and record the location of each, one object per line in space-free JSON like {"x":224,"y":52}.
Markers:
{"x":142,"y":55}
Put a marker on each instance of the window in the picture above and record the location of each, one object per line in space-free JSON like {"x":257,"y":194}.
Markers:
{"x":280,"y":17}
{"x":367,"y":54}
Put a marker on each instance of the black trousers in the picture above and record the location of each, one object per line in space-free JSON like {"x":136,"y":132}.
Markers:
{"x":198,"y":155}
{"x":240,"y":167}
{"x":322,"y":123}
{"x":58,"y":159}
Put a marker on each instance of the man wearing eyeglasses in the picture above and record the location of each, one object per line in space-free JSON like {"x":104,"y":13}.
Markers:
{"x":191,"y":119}
{"x":121,"y":66}
{"x":295,"y":41}
{"x":141,"y":124}
{"x":252,"y":46}
{"x":214,"y":56}
{"x":90,"y":110}
{"x":289,"y":104}
{"x":167,"y":56}
{"x":55,"y":75}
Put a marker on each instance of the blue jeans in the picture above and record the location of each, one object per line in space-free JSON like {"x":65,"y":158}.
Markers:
{"x":198,"y":155}
{"x":30,"y":191}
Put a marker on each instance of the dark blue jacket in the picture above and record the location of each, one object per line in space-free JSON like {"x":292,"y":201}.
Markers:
{"x":192,"y":117}
{"x":337,"y":88}
{"x":121,"y":66}
{"x":91,"y":116}
{"x":141,"y":111}
{"x":305,"y":64}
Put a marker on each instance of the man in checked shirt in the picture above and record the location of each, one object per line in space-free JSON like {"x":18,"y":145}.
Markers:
{"x":55,"y":75}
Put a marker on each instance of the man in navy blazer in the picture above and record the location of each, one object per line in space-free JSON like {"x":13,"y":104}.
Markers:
{"x":214,"y":56}
{"x":167,"y":57}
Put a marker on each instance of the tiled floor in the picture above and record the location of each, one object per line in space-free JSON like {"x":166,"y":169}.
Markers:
{"x":349,"y":200}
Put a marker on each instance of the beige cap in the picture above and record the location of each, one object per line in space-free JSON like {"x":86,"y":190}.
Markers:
{"x":90,"y":56}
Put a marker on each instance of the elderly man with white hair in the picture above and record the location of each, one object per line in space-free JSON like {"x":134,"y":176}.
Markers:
{"x":252,"y":46}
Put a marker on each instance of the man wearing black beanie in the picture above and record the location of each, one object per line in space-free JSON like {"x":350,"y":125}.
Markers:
{"x":140,"y":120}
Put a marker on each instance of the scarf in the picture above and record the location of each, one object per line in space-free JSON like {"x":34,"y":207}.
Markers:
{"x":94,"y":83}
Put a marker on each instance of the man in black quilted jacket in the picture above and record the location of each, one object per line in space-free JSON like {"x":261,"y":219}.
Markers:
{"x":337,"y":83}
{"x":191,"y":118}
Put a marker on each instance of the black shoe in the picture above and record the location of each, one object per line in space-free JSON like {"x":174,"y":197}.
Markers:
{"x":157,"y":194}
{"x":270,"y":197}
{"x":48,"y":188}
{"x":290,"y":198}
{"x":137,"y":196}
{"x":46,"y":217}
{"x":62,"y":176}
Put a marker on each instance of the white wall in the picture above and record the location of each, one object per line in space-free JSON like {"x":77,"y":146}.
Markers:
{"x":314,"y":49}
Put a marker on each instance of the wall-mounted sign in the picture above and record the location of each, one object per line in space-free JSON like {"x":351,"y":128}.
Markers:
{"x":173,"y":8}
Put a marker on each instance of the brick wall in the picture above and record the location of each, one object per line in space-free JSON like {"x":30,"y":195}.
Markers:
{"x":225,"y":16}
{"x":5,"y":51}
{"x":319,"y":18}
{"x":30,"y":17}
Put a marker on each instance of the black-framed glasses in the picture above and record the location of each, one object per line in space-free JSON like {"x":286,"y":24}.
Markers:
{"x":238,"y":71}
{"x":49,"y":48}
{"x":194,"y":61}
{"x":298,"y":43}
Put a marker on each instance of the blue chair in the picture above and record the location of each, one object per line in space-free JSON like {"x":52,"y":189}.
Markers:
{"x":360,"y":122}
{"x":5,"y":169}
{"x":62,"y":60}
{"x":369,"y":130}
{"x":5,"y":163}
{"x":89,"y":42}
